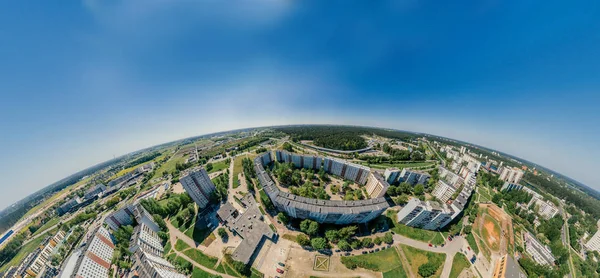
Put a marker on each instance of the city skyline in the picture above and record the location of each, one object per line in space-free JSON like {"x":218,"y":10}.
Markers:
{"x":112,"y":78}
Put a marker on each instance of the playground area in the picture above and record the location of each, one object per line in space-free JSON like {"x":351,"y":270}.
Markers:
{"x":495,"y":228}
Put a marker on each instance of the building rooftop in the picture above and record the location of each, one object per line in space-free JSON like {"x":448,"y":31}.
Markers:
{"x":253,"y":230}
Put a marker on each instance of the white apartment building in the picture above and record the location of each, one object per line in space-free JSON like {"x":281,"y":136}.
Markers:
{"x":95,"y":260}
{"x":376,"y":185}
{"x":199,"y":186}
{"x":148,"y":265}
{"x":347,"y":170}
{"x":443,"y":191}
{"x":145,"y":238}
{"x":425,"y":215}
{"x":512,"y":175}
{"x":413,"y":177}
{"x":125,"y":216}
{"x":450,"y":177}
{"x":545,"y":209}
{"x":594,"y":242}
{"x":391,"y":175}
{"x":539,"y":252}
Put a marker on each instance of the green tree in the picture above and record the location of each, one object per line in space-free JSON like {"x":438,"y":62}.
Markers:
{"x":222,"y":233}
{"x":209,"y":166}
{"x":367,"y":242}
{"x":283,"y":218}
{"x":388,"y":238}
{"x":344,"y":245}
{"x":419,"y":190}
{"x":427,"y":269}
{"x":332,"y":235}
{"x":309,"y":227}
{"x":319,"y":243}
{"x":303,"y":240}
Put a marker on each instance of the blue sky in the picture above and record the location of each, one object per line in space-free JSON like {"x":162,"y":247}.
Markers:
{"x":84,"y":81}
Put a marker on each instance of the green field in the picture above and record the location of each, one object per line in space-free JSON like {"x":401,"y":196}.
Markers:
{"x":201,"y":258}
{"x":25,"y":250}
{"x":417,"y":257}
{"x":399,"y":165}
{"x":55,"y":196}
{"x":199,"y":273}
{"x":432,"y":237}
{"x":218,"y":166}
{"x":471,"y":241}
{"x":397,"y":272}
{"x":459,"y":263}
{"x":169,"y":165}
{"x":237,"y":169}
{"x":383,"y":261}
{"x":47,"y":225}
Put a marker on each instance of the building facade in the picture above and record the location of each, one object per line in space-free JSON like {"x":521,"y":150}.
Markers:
{"x":94,"y":261}
{"x":443,"y":191}
{"x":376,"y":185}
{"x":506,"y":267}
{"x":413,"y":177}
{"x":425,"y":215}
{"x":322,"y":211}
{"x":512,"y":175}
{"x":148,"y":265}
{"x":391,"y":175}
{"x":594,"y":242}
{"x":127,"y":214}
{"x":539,"y":252}
{"x":147,"y":239}
{"x":199,"y":186}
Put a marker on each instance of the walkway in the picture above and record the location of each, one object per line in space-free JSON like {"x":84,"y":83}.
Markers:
{"x":173,"y":241}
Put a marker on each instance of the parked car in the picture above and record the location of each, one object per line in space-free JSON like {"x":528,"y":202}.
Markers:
{"x":376,"y":249}
{"x":364,"y":252}
{"x":347,"y":254}
{"x":430,"y":245}
{"x":280,"y":271}
{"x":443,"y":245}
{"x":469,"y":248}
{"x":337,"y":250}
{"x":281,"y":264}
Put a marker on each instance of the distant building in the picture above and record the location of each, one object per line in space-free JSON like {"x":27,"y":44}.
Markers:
{"x":376,"y":186}
{"x":69,"y":206}
{"x":425,"y":215}
{"x":545,"y":208}
{"x":146,"y":264}
{"x":450,"y":177}
{"x":391,"y":175}
{"x":125,"y":216}
{"x":538,"y":251}
{"x":594,"y":242}
{"x":199,"y":186}
{"x":147,"y":239}
{"x":511,"y":186}
{"x":512,"y":175}
{"x":506,"y":267}
{"x":413,"y":177}
{"x":36,"y":262}
{"x":95,"y":191}
{"x":94,"y":261}
{"x":443,"y":191}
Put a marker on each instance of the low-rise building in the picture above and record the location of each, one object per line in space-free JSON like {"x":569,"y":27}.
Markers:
{"x":69,"y":206}
{"x":95,"y":191}
{"x":376,"y":185}
{"x":539,"y":252}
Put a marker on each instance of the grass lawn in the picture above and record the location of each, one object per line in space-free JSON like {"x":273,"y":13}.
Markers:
{"x":432,"y":237}
{"x":218,"y":166}
{"x":47,"y":225}
{"x":201,"y":258}
{"x":237,"y":168}
{"x":399,"y":165}
{"x":256,"y":274}
{"x":203,"y":236}
{"x":383,"y":261}
{"x":471,"y":241}
{"x":180,"y":245}
{"x":459,"y":263}
{"x":397,"y":272}
{"x":199,"y":273}
{"x":167,"y":248}
{"x":229,"y":270}
{"x":25,"y":250}
{"x":169,"y":165}
{"x":417,"y":257}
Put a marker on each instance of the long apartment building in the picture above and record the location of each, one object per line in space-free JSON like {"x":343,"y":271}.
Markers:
{"x":594,"y":243}
{"x":539,"y":252}
{"x":299,"y":160}
{"x":126,"y":215}
{"x":443,"y":191}
{"x":146,"y":264}
{"x":545,"y":208}
{"x":147,"y":239}
{"x":511,"y":174}
{"x":391,"y":175}
{"x":94,"y":261}
{"x":427,"y":215}
{"x":322,"y":211}
{"x":507,"y":267}
{"x":350,"y":171}
{"x":199,"y":186}
{"x":376,"y":186}
{"x":413,"y":177}
{"x":36,"y":262}
{"x":450,"y":177}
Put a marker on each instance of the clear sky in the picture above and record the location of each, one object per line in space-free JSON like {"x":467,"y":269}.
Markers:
{"x":83,"y":81}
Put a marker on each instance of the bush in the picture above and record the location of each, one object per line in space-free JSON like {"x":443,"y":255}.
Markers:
{"x":344,"y":245}
{"x":222,"y":233}
{"x":319,"y":243}
{"x":283,"y":218}
{"x":367,"y":243}
{"x":388,"y":238}
{"x":352,"y":263}
{"x":427,"y":269}
{"x":302,"y":240}
{"x":377,"y":241}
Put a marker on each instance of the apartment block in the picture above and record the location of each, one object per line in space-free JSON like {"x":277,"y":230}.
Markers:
{"x":322,"y":211}
{"x":443,"y":191}
{"x":146,"y":264}
{"x":94,"y":261}
{"x":147,"y":239}
{"x":450,"y":177}
{"x":512,"y":175}
{"x":545,"y":208}
{"x":391,"y":175}
{"x":125,"y":216}
{"x":376,"y":185}
{"x":413,"y":177}
{"x":199,"y":186}
{"x":594,"y":242}
{"x":539,"y":252}
{"x":425,"y":215}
